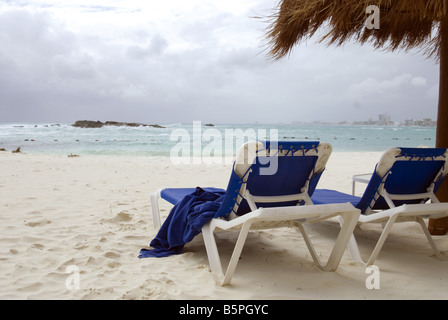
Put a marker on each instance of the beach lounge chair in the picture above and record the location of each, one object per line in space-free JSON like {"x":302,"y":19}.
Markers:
{"x":270,"y":187}
{"x":401,"y":189}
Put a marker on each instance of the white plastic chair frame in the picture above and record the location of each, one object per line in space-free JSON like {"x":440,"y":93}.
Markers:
{"x":154,"y":199}
{"x":403,"y":213}
{"x":265,"y":218}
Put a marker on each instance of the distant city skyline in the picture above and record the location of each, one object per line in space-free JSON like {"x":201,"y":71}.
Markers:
{"x":385,"y":119}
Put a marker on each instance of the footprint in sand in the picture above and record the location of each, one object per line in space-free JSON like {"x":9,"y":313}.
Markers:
{"x":123,"y":216}
{"x":32,"y":288}
{"x":112,"y":255}
{"x":36,"y":223}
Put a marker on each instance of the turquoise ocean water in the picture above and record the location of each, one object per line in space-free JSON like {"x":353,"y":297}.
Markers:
{"x":52,"y":138}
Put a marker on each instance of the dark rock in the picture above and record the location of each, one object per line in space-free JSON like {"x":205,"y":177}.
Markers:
{"x":122,"y":124}
{"x":99,"y":124}
{"x":88,"y":124}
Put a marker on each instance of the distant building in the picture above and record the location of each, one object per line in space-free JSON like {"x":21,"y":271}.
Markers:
{"x":384,"y":119}
{"x":426,"y":122}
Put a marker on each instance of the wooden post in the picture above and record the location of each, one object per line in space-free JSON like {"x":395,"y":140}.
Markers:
{"x":440,"y":226}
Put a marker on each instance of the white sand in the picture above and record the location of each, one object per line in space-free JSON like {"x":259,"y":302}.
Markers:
{"x":92,"y":214}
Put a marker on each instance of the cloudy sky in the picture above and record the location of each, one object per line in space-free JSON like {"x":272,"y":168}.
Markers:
{"x":178,"y":61}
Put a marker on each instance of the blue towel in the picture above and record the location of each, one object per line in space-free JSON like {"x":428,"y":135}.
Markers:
{"x":184,"y":222}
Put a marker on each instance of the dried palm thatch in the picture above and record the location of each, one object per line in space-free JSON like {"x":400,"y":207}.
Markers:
{"x":404,"y":24}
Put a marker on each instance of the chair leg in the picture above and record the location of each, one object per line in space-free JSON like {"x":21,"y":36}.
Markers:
{"x":211,"y":249}
{"x":354,"y":250}
{"x":213,"y":253}
{"x":382,"y":239}
{"x":154,"y":198}
{"x":348,"y":223}
{"x":309,"y":244}
{"x":236,"y":253}
{"x":352,"y":246}
{"x":430,"y":239}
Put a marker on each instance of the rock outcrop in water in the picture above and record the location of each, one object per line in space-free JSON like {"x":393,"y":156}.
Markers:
{"x":99,"y":124}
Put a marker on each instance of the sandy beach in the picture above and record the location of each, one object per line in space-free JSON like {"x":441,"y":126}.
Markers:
{"x":64,"y":216}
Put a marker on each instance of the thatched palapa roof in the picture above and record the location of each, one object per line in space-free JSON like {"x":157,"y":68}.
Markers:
{"x":404,"y":24}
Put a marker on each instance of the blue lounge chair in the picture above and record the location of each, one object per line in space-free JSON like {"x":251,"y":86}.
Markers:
{"x":402,"y":188}
{"x":270,"y":186}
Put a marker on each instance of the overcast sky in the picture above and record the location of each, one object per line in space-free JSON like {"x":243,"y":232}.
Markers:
{"x":178,"y":61}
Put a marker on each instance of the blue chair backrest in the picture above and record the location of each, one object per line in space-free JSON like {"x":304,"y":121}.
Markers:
{"x":296,"y":171}
{"x":414,"y":171}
